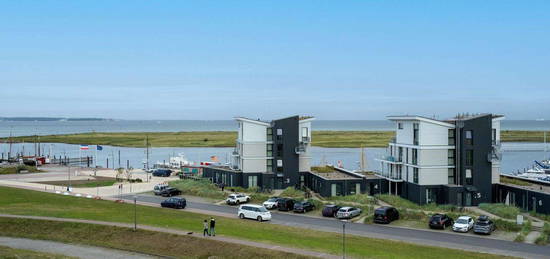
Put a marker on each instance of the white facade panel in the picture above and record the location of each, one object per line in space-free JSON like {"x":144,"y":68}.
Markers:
{"x":254,"y":150}
{"x":433,"y":135}
{"x":254,"y":165}
{"x":433,"y":157}
{"x":495,"y":175}
{"x":405,"y":135}
{"x":433,"y":176}
{"x":252,"y":132}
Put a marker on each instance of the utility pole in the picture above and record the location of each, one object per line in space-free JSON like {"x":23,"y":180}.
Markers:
{"x":135,"y":212}
{"x":343,"y":239}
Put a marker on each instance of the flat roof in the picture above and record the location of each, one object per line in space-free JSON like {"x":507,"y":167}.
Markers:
{"x":446,"y":122}
{"x":336,"y":175}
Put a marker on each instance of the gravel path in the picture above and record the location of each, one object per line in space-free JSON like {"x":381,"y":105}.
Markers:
{"x":80,"y":251}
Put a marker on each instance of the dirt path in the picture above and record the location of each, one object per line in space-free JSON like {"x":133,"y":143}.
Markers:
{"x":180,"y":232}
{"x":80,"y":251}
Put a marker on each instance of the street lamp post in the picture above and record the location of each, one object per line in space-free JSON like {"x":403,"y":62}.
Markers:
{"x":135,"y":213}
{"x":344,"y":239}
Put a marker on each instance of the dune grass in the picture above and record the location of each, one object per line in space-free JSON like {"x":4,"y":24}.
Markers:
{"x":26,"y":202}
{"x":198,"y":187}
{"x":18,"y":169}
{"x":501,"y":210}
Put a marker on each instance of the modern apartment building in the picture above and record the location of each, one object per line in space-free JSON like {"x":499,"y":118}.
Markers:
{"x":268,"y":154}
{"x":453,"y":161}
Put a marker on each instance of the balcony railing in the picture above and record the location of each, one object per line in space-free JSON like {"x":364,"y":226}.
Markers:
{"x":306,"y":139}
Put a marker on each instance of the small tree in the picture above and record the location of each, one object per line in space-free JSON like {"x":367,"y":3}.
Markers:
{"x":119,"y":173}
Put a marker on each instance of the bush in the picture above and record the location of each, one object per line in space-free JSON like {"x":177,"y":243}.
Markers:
{"x":505,"y":225}
{"x":542,"y":239}
{"x":501,"y":210}
{"x":526,"y":229}
{"x":545,"y":217}
{"x":519,"y":238}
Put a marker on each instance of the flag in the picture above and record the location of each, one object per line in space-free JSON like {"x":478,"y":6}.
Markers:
{"x":98,"y":147}
{"x":84,"y":147}
{"x":214,"y":158}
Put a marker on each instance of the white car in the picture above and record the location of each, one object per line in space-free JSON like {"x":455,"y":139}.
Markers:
{"x":257,"y":212}
{"x":237,"y":199}
{"x":271,"y":203}
{"x":463,"y":224}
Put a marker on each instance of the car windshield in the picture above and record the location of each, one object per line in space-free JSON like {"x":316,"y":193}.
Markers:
{"x":272,"y":199}
{"x":436,"y":218}
{"x":482,"y":223}
{"x":231,"y":196}
{"x":262,"y":209}
{"x":380,"y":212}
{"x":462,"y":221}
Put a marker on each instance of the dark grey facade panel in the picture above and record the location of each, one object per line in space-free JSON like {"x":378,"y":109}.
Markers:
{"x":524,"y":199}
{"x":285,"y":146}
{"x":481,"y":146}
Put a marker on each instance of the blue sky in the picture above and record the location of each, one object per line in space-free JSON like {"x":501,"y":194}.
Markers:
{"x":218,"y":59}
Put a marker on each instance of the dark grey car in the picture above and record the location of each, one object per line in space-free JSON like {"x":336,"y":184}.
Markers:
{"x":484,"y":225}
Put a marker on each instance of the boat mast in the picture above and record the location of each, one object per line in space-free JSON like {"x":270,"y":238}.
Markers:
{"x":10,"y":141}
{"x":147,"y":151}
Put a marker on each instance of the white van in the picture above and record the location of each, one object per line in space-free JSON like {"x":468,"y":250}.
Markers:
{"x":251,"y":211}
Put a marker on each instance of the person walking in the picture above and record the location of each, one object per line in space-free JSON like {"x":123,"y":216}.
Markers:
{"x":205,"y":231}
{"x":212,"y":226}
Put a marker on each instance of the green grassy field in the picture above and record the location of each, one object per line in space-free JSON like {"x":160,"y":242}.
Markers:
{"x":92,"y":182}
{"x":9,"y":253}
{"x":333,"y":139}
{"x":141,"y":241}
{"x":25,"y":202}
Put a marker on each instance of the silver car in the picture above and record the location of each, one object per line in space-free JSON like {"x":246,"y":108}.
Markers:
{"x":348,"y":212}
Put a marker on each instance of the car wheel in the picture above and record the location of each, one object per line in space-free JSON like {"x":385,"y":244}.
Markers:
{"x":237,"y":202}
{"x":241,"y":216}
{"x":260,"y":218}
{"x":247,"y":199}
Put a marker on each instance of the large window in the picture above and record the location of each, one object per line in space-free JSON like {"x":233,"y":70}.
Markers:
{"x":451,"y":157}
{"x":269,"y":134}
{"x":414,"y":156}
{"x":469,"y":158}
{"x":399,"y":125}
{"x":469,"y":176}
{"x":451,"y":176}
{"x":269,"y":152}
{"x":415,"y":133}
{"x":252,"y":181}
{"x":269,"y":165}
{"x":279,"y":150}
{"x":494,"y":136}
{"x":305,"y":134}
{"x":469,"y":137}
{"x":415,"y":175}
{"x":451,"y":137}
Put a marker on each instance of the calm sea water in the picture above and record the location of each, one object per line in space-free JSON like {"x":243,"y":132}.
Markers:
{"x":516,"y":156}
{"x":25,"y":128}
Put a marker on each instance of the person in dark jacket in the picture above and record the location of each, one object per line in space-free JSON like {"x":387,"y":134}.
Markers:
{"x":205,"y":231}
{"x":212,"y":226}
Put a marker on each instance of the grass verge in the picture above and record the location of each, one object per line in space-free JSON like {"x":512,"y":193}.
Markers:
{"x":504,"y":179}
{"x":25,"y":202}
{"x":9,"y":253}
{"x":141,"y":241}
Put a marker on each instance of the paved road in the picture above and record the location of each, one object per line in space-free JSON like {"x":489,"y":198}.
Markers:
{"x":80,"y":251}
{"x":426,"y":237}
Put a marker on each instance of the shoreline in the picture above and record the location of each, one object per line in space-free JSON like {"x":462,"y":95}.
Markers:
{"x":326,"y":139}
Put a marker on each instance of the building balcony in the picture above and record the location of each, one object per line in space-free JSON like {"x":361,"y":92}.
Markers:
{"x":390,"y":160}
{"x":301,"y":149}
{"x":393,"y":177}
{"x":305,"y":139}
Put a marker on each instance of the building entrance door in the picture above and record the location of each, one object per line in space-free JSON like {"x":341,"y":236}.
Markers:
{"x":468,"y":199}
